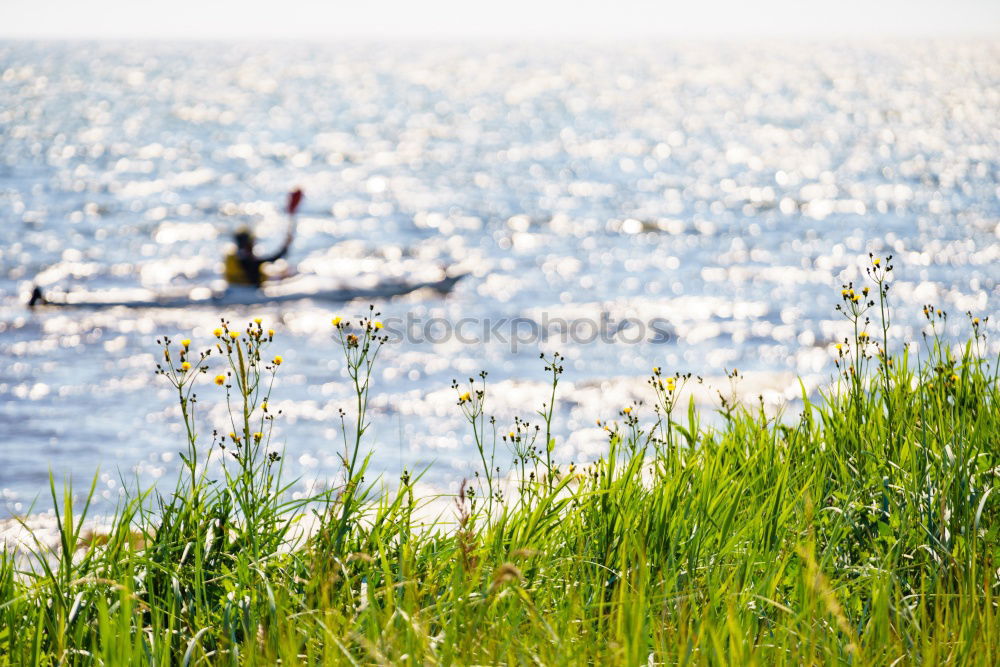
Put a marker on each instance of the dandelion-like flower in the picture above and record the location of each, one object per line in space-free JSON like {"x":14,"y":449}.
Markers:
{"x":277,"y":360}
{"x":258,"y":435}
{"x":186,"y":343}
{"x":220,"y":380}
{"x":627,"y":410}
{"x":217,"y":332}
{"x":257,"y":320}
{"x":234,"y":334}
{"x":465,"y":398}
{"x":185,"y":366}
{"x":270,"y":332}
{"x":377,"y":325}
{"x":336,"y":320}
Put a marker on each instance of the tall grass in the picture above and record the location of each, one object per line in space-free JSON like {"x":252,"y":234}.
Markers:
{"x":861,"y":531}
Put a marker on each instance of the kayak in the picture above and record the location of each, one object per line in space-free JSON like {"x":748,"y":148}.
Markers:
{"x":241,"y":296}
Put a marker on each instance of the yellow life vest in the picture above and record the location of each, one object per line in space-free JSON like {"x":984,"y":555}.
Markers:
{"x":234,"y":273}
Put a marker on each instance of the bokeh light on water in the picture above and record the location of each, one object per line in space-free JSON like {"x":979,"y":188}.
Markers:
{"x":725,"y":190}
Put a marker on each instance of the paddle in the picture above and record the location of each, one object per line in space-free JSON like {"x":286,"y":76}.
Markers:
{"x":294,"y":199}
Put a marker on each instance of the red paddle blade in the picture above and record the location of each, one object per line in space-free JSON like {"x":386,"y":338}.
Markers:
{"x":294,"y":199}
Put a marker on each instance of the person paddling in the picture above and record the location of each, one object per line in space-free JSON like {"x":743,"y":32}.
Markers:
{"x":244,"y":267}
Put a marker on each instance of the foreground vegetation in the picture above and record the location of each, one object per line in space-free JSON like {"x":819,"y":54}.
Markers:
{"x":863,"y":530}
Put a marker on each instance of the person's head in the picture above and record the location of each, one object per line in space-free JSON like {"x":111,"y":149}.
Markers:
{"x":244,"y":239}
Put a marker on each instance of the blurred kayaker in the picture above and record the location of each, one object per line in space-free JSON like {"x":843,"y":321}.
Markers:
{"x":243,"y":266}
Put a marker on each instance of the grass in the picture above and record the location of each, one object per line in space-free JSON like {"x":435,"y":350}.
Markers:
{"x":861,"y":531}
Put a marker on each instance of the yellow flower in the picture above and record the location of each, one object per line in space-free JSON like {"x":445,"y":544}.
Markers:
{"x":377,"y":325}
{"x":656,"y":370}
{"x":234,"y":334}
{"x":670,"y":384}
{"x":863,"y":335}
{"x":220,"y":380}
{"x":258,"y":435}
{"x":270,"y":332}
{"x":263,"y":406}
{"x":975,"y":321}
{"x":232,"y":435}
{"x":464,"y":397}
{"x":186,"y":342}
{"x":839,"y":347}
{"x":337,"y":320}
{"x":278,"y":360}
{"x":257,"y":320}
{"x":512,"y":436}
{"x":627,"y":410}
{"x":185,"y":366}
{"x":876,"y":261}
{"x":217,"y":332}
{"x":954,"y":378}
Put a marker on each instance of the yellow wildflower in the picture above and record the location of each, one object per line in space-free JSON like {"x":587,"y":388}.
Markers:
{"x":278,"y":360}
{"x":465,"y":397}
{"x":377,"y":325}
{"x":954,"y":378}
{"x":220,"y":380}
{"x":186,"y":342}
{"x":975,"y":321}
{"x":258,"y":435}
{"x":217,"y":332}
{"x":234,"y":334}
{"x":232,"y":435}
{"x":839,"y":347}
{"x":876,"y":261}
{"x":656,"y":370}
{"x":336,"y":320}
{"x":627,"y":410}
{"x":257,"y":320}
{"x":270,"y":332}
{"x":670,"y":384}
{"x":511,"y":435}
{"x":263,"y":406}
{"x":185,"y":366}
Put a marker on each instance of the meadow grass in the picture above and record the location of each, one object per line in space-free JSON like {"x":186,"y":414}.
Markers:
{"x":861,"y":531}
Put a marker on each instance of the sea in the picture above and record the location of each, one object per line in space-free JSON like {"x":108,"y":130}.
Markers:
{"x":692,"y":206}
